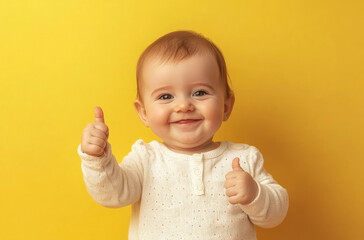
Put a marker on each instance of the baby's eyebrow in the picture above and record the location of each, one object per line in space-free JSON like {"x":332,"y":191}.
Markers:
{"x":203,"y":84}
{"x":160,"y":89}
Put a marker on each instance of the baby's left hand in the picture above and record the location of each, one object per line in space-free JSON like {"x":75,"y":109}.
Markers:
{"x":240,"y":186}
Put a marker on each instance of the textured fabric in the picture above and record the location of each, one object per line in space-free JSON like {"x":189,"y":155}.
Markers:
{"x":178,"y":196}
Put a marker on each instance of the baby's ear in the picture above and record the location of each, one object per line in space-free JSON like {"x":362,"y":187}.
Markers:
{"x":140,"y":109}
{"x":228,"y":106}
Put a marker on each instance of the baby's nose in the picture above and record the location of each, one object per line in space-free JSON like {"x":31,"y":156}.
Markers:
{"x":184,"y":105}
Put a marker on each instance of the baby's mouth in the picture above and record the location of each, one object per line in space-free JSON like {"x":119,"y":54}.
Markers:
{"x":186,"y":121}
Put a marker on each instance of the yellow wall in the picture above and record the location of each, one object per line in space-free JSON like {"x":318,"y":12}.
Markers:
{"x":297,"y":71}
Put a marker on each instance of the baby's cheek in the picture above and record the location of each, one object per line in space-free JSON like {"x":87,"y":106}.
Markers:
{"x":158,"y":115}
{"x":159,"y":119}
{"x":215,"y":114}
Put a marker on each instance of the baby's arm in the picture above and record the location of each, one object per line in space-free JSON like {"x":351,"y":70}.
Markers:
{"x":270,"y":206}
{"x":108,"y":183}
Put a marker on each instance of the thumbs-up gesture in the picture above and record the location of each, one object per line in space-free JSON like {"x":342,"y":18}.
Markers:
{"x":95,"y":135}
{"x":239,"y":185}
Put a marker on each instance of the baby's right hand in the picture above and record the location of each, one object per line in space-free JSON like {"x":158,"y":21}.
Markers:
{"x":95,"y":135}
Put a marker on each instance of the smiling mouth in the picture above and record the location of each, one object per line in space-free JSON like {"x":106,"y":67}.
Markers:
{"x":186,"y":121}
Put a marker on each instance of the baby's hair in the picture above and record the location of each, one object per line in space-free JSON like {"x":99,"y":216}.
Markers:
{"x":178,"y":45}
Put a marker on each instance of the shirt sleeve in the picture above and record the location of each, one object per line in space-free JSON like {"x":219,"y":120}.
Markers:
{"x":111,"y":184}
{"x":270,"y":206}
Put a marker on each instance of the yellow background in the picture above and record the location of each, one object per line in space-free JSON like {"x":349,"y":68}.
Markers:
{"x":296,"y":69}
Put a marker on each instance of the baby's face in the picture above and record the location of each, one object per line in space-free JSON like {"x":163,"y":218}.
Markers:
{"x":184,"y":103}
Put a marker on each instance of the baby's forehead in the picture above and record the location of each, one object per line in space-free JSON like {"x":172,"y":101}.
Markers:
{"x":192,"y":67}
{"x":156,"y":61}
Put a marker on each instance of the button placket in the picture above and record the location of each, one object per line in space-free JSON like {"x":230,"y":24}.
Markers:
{"x":197,"y":174}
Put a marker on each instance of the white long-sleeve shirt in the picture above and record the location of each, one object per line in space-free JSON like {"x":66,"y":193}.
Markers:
{"x":179,"y":196}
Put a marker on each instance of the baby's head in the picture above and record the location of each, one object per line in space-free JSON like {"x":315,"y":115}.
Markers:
{"x":183,"y":90}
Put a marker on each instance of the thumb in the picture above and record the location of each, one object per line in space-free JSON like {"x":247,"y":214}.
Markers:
{"x":99,"y":115}
{"x":236,"y":165}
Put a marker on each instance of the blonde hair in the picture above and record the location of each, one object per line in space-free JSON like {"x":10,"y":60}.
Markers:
{"x":178,"y":45}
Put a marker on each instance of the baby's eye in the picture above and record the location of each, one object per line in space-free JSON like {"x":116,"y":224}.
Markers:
{"x":199,"y":93}
{"x":165,"y":97}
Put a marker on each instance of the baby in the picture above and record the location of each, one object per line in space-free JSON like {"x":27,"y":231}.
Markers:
{"x":188,"y":186}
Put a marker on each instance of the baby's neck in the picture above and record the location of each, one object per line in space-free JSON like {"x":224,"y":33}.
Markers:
{"x":199,"y":149}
